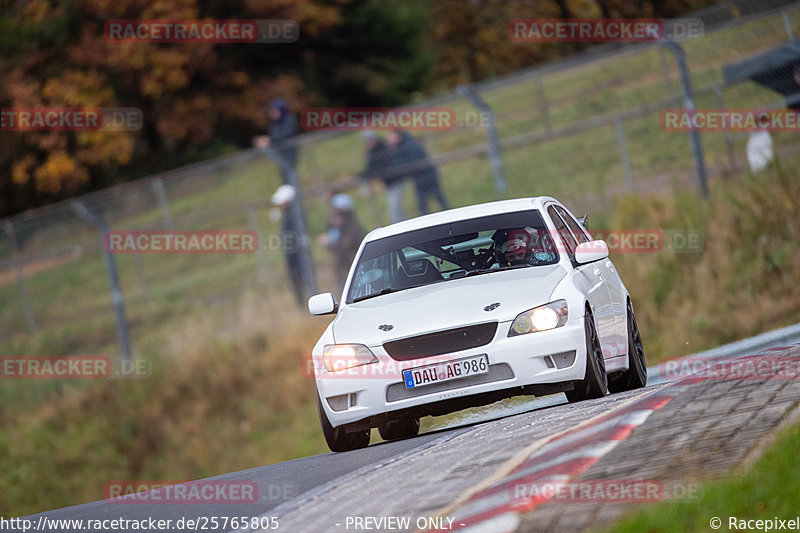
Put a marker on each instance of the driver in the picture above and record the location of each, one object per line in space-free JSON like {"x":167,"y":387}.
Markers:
{"x":514,"y":249}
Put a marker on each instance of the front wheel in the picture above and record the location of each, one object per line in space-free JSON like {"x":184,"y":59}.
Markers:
{"x":338,"y":439}
{"x":595,"y":381}
{"x":636,"y":375}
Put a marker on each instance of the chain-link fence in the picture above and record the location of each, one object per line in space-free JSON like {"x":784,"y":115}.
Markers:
{"x":585,"y":130}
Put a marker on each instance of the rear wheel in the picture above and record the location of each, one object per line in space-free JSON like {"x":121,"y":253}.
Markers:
{"x":399,"y":428}
{"x":636,"y":375}
{"x":595,"y":381}
{"x":338,"y":439}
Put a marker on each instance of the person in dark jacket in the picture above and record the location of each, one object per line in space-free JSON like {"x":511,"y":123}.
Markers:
{"x":344,"y":235}
{"x":282,"y":128}
{"x":380,"y":161}
{"x":409,"y":153}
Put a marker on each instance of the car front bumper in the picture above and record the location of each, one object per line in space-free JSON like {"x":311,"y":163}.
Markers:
{"x":366,"y":392}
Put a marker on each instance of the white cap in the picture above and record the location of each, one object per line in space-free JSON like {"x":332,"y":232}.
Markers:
{"x":342,"y":202}
{"x":284,"y":195}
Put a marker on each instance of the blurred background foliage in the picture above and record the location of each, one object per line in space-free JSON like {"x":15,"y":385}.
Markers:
{"x":201,"y":100}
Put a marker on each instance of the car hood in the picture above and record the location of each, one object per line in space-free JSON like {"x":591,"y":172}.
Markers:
{"x":446,"y":305}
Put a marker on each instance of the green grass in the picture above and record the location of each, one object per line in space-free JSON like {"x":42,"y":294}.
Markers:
{"x":769,"y":488}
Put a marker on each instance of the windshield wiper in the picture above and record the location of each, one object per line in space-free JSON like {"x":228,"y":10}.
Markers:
{"x":490,"y":270}
{"x":381,"y":292}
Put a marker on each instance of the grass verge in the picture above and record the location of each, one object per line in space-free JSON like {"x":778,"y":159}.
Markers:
{"x":768,"y":489}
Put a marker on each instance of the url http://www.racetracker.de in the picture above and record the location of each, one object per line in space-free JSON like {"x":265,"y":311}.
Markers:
{"x":46,"y":524}
{"x":733,"y":523}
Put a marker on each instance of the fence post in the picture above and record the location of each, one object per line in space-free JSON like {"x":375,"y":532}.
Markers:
{"x":623,"y":152}
{"x":728,"y":137}
{"x":263,"y":271}
{"x":163,"y":204}
{"x":141,"y":278}
{"x":787,"y":24}
{"x":113,"y":278}
{"x":688,"y":104}
{"x":297,"y":214}
{"x":543,"y":106}
{"x":20,"y":274}
{"x":667,"y":78}
{"x":491,"y":133}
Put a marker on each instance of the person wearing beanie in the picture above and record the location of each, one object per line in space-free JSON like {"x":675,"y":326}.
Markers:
{"x":344,"y":235}
{"x":282,"y":128}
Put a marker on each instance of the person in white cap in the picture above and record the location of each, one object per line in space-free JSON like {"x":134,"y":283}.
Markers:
{"x":282,"y":199}
{"x":759,"y":148}
{"x":344,"y":235}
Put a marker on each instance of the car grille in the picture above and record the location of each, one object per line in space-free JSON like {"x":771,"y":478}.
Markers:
{"x":441,"y":342}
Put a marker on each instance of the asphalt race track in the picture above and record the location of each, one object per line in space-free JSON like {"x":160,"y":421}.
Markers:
{"x":461,"y":478}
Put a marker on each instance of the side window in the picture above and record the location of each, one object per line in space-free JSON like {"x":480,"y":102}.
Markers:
{"x":564,"y":234}
{"x":577,"y":231}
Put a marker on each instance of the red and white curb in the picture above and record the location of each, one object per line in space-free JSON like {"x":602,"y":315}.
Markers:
{"x":497,"y":508}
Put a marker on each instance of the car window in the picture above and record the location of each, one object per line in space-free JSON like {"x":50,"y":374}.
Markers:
{"x":564,"y":234}
{"x":577,"y":232}
{"x":451,"y":251}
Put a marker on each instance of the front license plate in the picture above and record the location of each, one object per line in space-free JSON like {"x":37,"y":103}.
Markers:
{"x":446,"y":370}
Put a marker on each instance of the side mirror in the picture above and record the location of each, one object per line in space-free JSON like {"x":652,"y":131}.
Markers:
{"x":587,"y":252}
{"x":322,"y":304}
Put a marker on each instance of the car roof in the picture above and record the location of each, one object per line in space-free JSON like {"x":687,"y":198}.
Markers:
{"x":459,"y":213}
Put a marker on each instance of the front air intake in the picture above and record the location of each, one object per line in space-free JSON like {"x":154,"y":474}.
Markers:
{"x":441,"y":342}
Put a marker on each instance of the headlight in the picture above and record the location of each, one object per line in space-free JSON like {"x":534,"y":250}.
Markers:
{"x":550,"y":316}
{"x":337,"y":357}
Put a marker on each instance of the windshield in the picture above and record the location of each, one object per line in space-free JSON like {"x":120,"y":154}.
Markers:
{"x":450,"y":251}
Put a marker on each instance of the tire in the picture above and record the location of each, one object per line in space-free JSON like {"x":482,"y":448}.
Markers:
{"x":399,"y":428}
{"x":338,"y":439}
{"x":595,"y":381}
{"x":636,"y":375}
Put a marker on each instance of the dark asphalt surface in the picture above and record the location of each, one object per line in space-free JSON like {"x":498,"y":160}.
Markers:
{"x":297,"y":480}
{"x":278,"y":483}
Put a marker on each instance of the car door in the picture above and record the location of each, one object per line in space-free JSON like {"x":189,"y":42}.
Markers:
{"x":612,"y":281}
{"x":590,"y":280}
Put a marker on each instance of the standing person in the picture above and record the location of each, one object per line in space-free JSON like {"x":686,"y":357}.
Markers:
{"x":410,"y":154}
{"x":380,"y":166}
{"x":283,"y":199}
{"x":282,"y":127}
{"x":344,"y":235}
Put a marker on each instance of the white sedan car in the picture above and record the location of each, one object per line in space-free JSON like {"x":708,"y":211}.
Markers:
{"x":466,"y":307}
